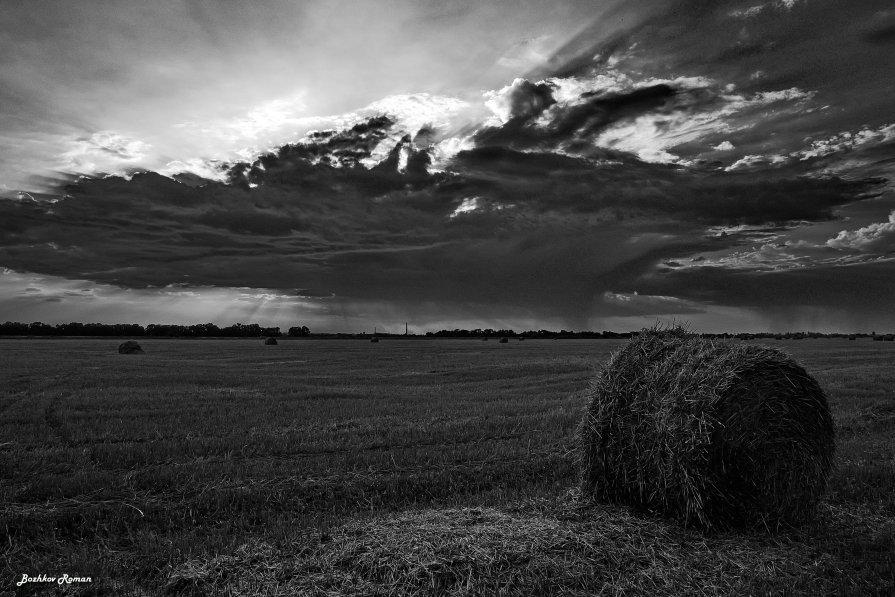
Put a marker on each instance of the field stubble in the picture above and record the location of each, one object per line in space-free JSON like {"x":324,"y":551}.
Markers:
{"x":168,"y":468}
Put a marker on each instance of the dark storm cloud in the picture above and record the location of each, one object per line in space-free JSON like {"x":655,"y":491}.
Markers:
{"x":525,"y":99}
{"x":629,"y":188}
{"x":535,"y":232}
{"x":880,"y":28}
{"x":670,"y":158}
{"x":853,"y":296}
{"x":542,"y":216}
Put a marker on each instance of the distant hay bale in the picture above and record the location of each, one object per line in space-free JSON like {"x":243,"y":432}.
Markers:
{"x":374,"y":339}
{"x":718,"y":434}
{"x":504,"y":340}
{"x":270,"y":342}
{"x":129,"y":347}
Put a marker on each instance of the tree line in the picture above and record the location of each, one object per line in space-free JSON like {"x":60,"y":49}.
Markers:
{"x":605,"y":334}
{"x":199,"y":330}
{"x":240,"y":330}
{"x":490,"y":333}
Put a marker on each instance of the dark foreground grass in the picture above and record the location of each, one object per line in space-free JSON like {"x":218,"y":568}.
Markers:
{"x":551,"y":547}
{"x":403,"y":467}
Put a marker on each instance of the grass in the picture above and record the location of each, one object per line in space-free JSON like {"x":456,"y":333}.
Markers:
{"x":315,"y":466}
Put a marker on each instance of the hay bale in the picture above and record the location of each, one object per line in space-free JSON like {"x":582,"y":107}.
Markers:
{"x":504,"y":340}
{"x":129,"y":347}
{"x":374,"y":339}
{"x":718,"y":434}
{"x":270,"y":342}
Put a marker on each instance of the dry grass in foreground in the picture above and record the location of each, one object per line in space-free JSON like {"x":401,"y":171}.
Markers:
{"x":552,"y":547}
{"x":215,"y":467}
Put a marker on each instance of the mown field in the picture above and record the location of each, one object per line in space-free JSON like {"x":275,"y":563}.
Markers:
{"x":411,"y":466}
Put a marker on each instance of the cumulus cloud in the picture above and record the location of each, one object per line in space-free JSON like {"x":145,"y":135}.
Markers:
{"x":877,"y":238}
{"x":847,"y":141}
{"x":521,"y":100}
{"x":202,"y":170}
{"x":756,"y":161}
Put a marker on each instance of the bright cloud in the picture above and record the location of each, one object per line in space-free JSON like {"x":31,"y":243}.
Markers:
{"x":209,"y":169}
{"x":879,"y":237}
{"x":847,"y":141}
{"x":656,"y":304}
{"x":53,"y":300}
{"x":469,"y":204}
{"x":104,"y":151}
{"x":752,"y":160}
{"x":416,"y":110}
{"x":651,"y":136}
{"x":570,"y":89}
{"x":265,"y":122}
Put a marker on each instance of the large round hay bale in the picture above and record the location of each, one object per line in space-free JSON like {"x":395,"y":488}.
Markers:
{"x":270,"y":342}
{"x":129,"y":347}
{"x":714,"y":433}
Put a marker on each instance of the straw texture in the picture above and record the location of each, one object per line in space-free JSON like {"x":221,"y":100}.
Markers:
{"x":719,"y":434}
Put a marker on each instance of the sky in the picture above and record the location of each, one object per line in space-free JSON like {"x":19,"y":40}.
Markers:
{"x":584,"y":165}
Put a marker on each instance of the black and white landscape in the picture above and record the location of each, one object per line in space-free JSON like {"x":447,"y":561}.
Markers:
{"x":249,"y":252}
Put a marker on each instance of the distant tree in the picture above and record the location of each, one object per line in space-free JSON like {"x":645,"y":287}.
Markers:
{"x":299,"y":331}
{"x":204,"y":330}
{"x":74,"y":328}
{"x":41,"y":329}
{"x":14,"y":328}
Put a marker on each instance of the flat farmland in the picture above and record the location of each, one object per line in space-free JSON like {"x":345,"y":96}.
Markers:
{"x":156,"y":472}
